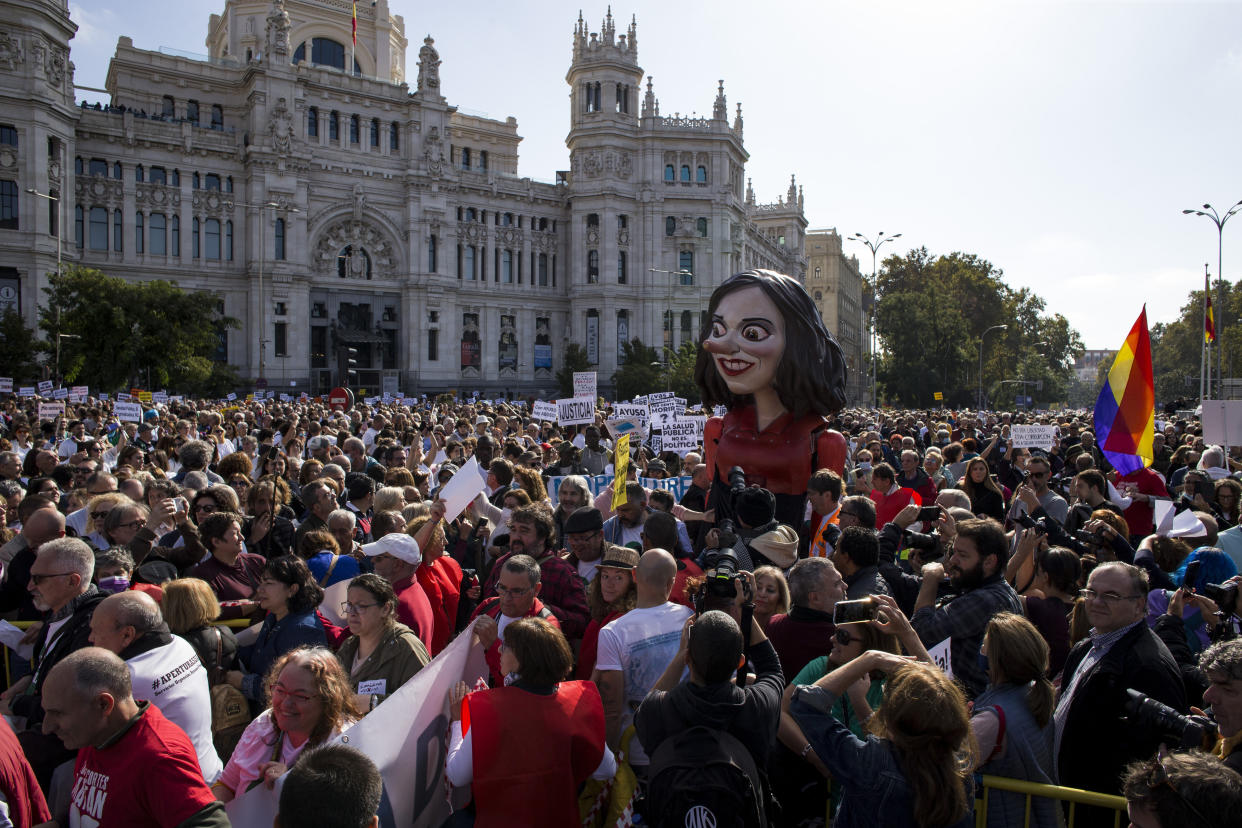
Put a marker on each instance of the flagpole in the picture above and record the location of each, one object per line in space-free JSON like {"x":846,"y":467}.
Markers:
{"x":1203,"y":346}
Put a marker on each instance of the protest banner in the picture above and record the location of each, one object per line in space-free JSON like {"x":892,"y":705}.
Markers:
{"x":575,"y":411}
{"x":26,"y":391}
{"x":60,"y":393}
{"x":78,"y":393}
{"x":160,"y":397}
{"x":620,"y":462}
{"x":1033,"y":436}
{"x":631,"y":411}
{"x":407,"y":739}
{"x":626,"y":426}
{"x":543,"y":411}
{"x":6,"y":385}
{"x":51,"y":410}
{"x":462,"y":488}
{"x":584,"y":384}
{"x":45,"y":387}
{"x":942,"y":657}
{"x":128,"y":412}
{"x":679,"y":437}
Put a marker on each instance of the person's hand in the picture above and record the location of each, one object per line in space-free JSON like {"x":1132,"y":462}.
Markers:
{"x":1027,"y":495}
{"x":260,"y":526}
{"x":890,"y":619}
{"x":946,"y":526}
{"x":1028,"y":542}
{"x":712,"y":539}
{"x":747,"y":587}
{"x":685,"y":634}
{"x":32,"y":633}
{"x":933,"y":572}
{"x":437,"y":511}
{"x":858,"y":690}
{"x":181,"y":515}
{"x":1207,"y":608}
{"x":1100,"y":528}
{"x":161,"y":513}
{"x":269,"y":772}
{"x":234,"y":678}
{"x":457,"y":694}
{"x":485,"y":630}
{"x":907,"y":516}
{"x":1177,"y":603}
{"x":679,"y":511}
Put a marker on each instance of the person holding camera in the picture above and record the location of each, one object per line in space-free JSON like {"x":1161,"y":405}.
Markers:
{"x":1094,"y":739}
{"x":1221,"y":665}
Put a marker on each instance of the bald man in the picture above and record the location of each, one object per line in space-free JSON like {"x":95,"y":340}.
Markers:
{"x":635,"y":648}
{"x":165,"y":669}
{"x":41,"y":522}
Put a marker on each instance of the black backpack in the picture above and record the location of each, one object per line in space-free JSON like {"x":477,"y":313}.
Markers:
{"x":704,"y":778}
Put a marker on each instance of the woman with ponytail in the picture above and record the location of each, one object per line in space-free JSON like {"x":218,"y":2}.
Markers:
{"x":914,"y":766}
{"x":1012,"y":720}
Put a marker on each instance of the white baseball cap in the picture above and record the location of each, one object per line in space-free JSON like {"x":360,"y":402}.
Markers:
{"x":397,"y":544}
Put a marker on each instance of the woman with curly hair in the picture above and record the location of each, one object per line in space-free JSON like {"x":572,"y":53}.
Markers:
{"x":311,"y":703}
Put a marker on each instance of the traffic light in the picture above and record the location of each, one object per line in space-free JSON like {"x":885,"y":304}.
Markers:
{"x":351,"y":365}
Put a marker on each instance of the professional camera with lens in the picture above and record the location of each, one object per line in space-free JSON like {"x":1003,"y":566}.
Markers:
{"x":1225,"y":595}
{"x":928,"y":545}
{"x":1190,"y":731}
{"x":721,"y":577}
{"x":1027,"y":522}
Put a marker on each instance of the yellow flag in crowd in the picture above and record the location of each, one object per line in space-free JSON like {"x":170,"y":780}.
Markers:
{"x":620,"y":462}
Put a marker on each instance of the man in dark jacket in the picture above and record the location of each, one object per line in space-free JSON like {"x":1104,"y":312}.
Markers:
{"x":1095,"y":737}
{"x":711,"y":648}
{"x":60,"y":585}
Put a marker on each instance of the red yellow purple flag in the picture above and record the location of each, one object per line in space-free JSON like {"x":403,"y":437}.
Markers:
{"x":1125,"y":412}
{"x":355,"y":24}
{"x":1209,"y":324}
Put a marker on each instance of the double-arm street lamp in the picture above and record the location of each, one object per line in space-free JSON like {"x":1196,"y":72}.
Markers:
{"x":874,"y":246}
{"x":1209,"y":212}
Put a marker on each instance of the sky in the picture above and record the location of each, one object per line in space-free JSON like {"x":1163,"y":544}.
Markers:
{"x":1058,"y":140}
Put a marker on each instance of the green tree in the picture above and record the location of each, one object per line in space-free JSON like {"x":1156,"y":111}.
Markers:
{"x":19,"y":349}
{"x":121,"y":333}
{"x":680,"y":372}
{"x":575,"y":360}
{"x":639,"y":371}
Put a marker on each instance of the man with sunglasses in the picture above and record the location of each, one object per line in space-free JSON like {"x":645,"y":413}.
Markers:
{"x":1095,"y":740}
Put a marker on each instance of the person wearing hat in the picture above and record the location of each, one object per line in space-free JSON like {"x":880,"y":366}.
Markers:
{"x":611,"y":593}
{"x":584,"y":542}
{"x":777,"y":547}
{"x":145,"y":437}
{"x":397,"y":557}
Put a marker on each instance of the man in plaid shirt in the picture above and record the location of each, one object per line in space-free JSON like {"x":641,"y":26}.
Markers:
{"x":531,"y":532}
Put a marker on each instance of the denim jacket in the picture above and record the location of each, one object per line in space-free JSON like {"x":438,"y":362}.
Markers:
{"x":874,"y":788}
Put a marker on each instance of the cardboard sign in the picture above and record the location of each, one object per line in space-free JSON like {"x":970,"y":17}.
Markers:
{"x":627,"y":426}
{"x":6,"y":385}
{"x":942,"y":656}
{"x":51,"y":410}
{"x":1222,"y":422}
{"x":679,"y":437}
{"x":543,"y":411}
{"x":26,"y":391}
{"x":575,"y":411}
{"x":45,"y":387}
{"x":1033,"y":436}
{"x":624,"y":411}
{"x":60,"y":394}
{"x":620,"y":462}
{"x":232,"y":396}
{"x":128,"y":412}
{"x":160,"y":397}
{"x":584,"y":384}
{"x":79,"y":392}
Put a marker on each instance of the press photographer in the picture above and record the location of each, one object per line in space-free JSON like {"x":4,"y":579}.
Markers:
{"x":902,"y":577}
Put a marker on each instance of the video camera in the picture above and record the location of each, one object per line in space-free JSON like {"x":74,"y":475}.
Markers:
{"x":1191,"y":731}
{"x":720,"y":565}
{"x":1225,"y":595}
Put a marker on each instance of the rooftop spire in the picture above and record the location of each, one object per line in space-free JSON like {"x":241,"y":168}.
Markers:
{"x":720,"y":111}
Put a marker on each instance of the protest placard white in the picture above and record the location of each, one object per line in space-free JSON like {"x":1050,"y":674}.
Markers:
{"x":78,"y":393}
{"x":462,"y":488}
{"x":6,"y":385}
{"x":45,"y":387}
{"x":60,"y":393}
{"x":1222,"y":422}
{"x":26,"y":391}
{"x":159,"y":397}
{"x":631,"y":411}
{"x":679,"y":437}
{"x":584,"y":384}
{"x":128,"y":412}
{"x":543,"y":411}
{"x":575,"y":411}
{"x":942,"y":656}
{"x":1033,"y":436}
{"x":51,"y":410}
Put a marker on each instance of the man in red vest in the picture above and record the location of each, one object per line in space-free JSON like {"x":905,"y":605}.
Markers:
{"x":517,"y":596}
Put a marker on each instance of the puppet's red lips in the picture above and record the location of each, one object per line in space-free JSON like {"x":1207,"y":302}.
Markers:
{"x":734,"y":367}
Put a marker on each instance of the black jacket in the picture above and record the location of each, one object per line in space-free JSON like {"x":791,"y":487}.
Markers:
{"x":1098,"y":740}
{"x":73,"y":636}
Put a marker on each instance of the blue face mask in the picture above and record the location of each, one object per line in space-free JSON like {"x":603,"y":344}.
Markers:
{"x":113,"y":584}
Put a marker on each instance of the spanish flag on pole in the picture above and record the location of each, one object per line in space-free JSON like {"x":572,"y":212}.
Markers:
{"x":1209,"y":324}
{"x":355,"y":24}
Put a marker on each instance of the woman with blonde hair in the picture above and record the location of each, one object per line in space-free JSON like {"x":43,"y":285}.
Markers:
{"x":914,"y":766}
{"x":189,"y":608}
{"x":1012,"y":720}
{"x":531,"y":482}
{"x":771,"y":594}
{"x":311,"y":703}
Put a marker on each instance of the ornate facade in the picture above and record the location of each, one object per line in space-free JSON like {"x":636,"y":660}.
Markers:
{"x":833,"y":280}
{"x":353,"y":222}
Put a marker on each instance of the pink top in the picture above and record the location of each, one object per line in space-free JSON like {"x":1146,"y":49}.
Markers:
{"x":254,"y":750}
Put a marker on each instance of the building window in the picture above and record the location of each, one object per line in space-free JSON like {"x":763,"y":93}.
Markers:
{"x":217,"y":116}
{"x":459,"y":263}
{"x":431,"y":253}
{"x":326,"y":52}
{"x":701,"y":174}
{"x":280,"y":339}
{"x":228,"y":241}
{"x":116,"y":170}
{"x":465,"y":158}
{"x":228,"y":184}
{"x":471,"y":214}
{"x":159,"y":239}
{"x":99,"y":228}
{"x":8,"y":135}
{"x":472,"y":272}
{"x":211,"y":239}
{"x":78,"y":229}
{"x":390,"y":349}
{"x":211,"y":181}
{"x":592,"y":266}
{"x":138,"y":174}
{"x":118,"y":230}
{"x":195,"y":181}
{"x":8,"y":205}
{"x":312,"y":122}
{"x":621,"y":276}
{"x":353,"y":129}
{"x":194,"y":248}
{"x":170,"y":107}
{"x":334,"y":127}
{"x":77,"y":165}
{"x":623,"y":330}
{"x":138,"y":232}
{"x":53,"y":214}
{"x":158,"y":176}
{"x":99,"y":167}
{"x":506,"y":267}
{"x":685,"y":172}
{"x":592,"y":220}
{"x":191,"y":112}
{"x":670,"y":172}
{"x":701,"y":226}
{"x":685,"y":326}
{"x":543,"y":269}
{"x":685,"y":267}
{"x":623,"y":221}
{"x":278,"y":247}
{"x":375,"y":133}
{"x":394,"y":136}
{"x":433,"y":345}
{"x":482,"y":160}
{"x":175,"y":233}
{"x":176,"y":178}
{"x":319,"y":346}
{"x":670,"y":226}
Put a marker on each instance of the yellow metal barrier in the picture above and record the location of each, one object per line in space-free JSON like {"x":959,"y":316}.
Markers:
{"x":1073,"y":796}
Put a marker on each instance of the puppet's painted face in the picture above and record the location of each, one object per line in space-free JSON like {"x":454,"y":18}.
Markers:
{"x":747,"y":340}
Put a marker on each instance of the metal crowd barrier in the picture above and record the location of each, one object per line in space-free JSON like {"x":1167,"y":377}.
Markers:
{"x":1073,"y":796}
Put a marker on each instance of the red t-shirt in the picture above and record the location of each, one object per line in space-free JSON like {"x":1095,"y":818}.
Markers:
{"x":414,"y":609}
{"x":149,"y":775}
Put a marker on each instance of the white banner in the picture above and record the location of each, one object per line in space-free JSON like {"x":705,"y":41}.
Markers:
{"x":60,"y":394}
{"x":679,"y":437}
{"x":51,"y":410}
{"x":462,"y":488}
{"x":6,"y":385}
{"x":159,"y":397}
{"x":584,"y":384}
{"x":575,"y":411}
{"x":128,"y":412}
{"x":1033,"y":436}
{"x":543,"y":411}
{"x":26,"y":391}
{"x":406,"y":737}
{"x":45,"y":387}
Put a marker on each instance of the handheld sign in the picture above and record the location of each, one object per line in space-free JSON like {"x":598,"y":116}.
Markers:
{"x":128,"y":412}
{"x":584,"y":384}
{"x":543,"y":411}
{"x":620,"y":462}
{"x":51,"y":410}
{"x":1033,"y":436}
{"x":575,"y":411}
{"x":942,"y":656}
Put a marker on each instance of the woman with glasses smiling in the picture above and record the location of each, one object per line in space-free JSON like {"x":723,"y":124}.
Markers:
{"x":311,"y":704}
{"x":381,"y":655}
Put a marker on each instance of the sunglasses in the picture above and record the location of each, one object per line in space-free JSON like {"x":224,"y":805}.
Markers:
{"x":844,"y":638}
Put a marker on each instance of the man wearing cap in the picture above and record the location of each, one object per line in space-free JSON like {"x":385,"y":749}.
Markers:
{"x":397,"y":557}
{"x":145,"y":437}
{"x":584,"y":542}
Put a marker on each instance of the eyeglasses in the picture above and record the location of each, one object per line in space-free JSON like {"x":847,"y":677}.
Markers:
{"x":583,"y":537}
{"x":502,"y":590}
{"x":1106,"y":597}
{"x":280,"y":694}
{"x":37,"y":579}
{"x":1158,"y":777}
{"x":205,"y":507}
{"x":133,"y":524}
{"x":844,"y":638}
{"x":354,"y":609}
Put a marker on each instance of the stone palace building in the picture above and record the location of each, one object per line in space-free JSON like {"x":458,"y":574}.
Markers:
{"x":357,"y":215}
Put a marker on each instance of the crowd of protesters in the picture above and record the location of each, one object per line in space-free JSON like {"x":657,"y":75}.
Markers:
{"x":1026,"y":612}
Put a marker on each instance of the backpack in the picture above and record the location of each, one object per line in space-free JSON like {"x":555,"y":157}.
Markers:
{"x":704,"y":778}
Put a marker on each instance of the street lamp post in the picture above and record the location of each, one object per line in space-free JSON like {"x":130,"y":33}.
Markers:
{"x":880,"y":240}
{"x":1209,"y":212}
{"x":979,"y":401}
{"x":59,"y":230}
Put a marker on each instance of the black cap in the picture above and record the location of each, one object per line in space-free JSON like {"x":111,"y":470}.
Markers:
{"x":584,"y":519}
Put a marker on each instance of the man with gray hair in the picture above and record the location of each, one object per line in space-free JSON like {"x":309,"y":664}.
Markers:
{"x":164,"y":669}
{"x":1222,"y":666}
{"x":134,"y":767}
{"x":60,"y":586}
{"x":194,"y":456}
{"x":815,"y":587}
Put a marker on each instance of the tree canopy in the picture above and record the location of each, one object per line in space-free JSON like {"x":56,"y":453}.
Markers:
{"x":575,"y":360}
{"x":19,"y":349}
